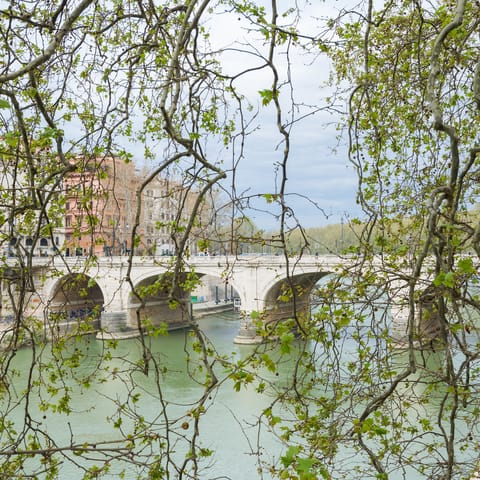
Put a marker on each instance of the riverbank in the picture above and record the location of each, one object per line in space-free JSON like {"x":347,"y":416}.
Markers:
{"x":198,"y":310}
{"x":206,"y":308}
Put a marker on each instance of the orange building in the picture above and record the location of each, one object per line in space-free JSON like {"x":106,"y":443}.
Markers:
{"x":100,"y":206}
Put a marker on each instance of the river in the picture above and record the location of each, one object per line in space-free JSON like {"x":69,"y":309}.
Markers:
{"x":229,"y":426}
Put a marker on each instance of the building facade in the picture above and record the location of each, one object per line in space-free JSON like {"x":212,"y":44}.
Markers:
{"x":100,"y":207}
{"x":27,"y":227}
{"x":167,"y":207}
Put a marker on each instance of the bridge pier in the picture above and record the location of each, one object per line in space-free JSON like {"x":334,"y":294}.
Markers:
{"x":158,"y":312}
{"x":280,"y":312}
{"x":247,"y":333}
{"x":122,"y":324}
{"x":114,"y":325}
{"x":421,"y":315}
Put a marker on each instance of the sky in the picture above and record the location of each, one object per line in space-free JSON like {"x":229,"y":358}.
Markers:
{"x":321,"y":184}
{"x":318,"y":168}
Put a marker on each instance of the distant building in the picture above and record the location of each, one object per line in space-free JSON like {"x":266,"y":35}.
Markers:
{"x":167,"y":206}
{"x":21,"y":212}
{"x":95,"y":211}
{"x":100,"y":206}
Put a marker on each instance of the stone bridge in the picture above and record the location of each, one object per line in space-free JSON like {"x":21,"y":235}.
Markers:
{"x":69,"y":289}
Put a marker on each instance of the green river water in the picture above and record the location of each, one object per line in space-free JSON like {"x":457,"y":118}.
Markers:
{"x":228,"y":427}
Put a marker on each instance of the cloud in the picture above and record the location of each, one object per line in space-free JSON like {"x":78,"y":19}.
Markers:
{"x":318,"y":170}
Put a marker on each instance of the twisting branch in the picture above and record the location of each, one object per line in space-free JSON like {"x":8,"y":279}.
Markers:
{"x":62,"y":32}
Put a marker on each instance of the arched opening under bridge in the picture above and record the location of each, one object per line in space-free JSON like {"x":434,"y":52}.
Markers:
{"x":75,"y":306}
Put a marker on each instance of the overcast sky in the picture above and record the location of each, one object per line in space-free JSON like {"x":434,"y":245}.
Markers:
{"x":322,"y":184}
{"x":318,"y":169}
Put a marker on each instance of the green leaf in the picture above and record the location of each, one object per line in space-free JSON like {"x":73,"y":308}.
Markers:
{"x":466,"y":267}
{"x":445,"y":280}
{"x":286,"y":342}
{"x":305,"y":464}
{"x":290,"y":455}
{"x":267,"y":96}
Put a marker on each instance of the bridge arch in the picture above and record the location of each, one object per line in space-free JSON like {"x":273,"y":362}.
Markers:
{"x":282,"y":297}
{"x":155,"y":304}
{"x":227,"y":283}
{"x":285,"y":294}
{"x":75,"y":302}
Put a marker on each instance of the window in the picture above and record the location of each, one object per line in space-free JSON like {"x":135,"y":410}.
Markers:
{"x":68,"y":221}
